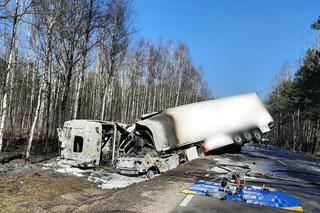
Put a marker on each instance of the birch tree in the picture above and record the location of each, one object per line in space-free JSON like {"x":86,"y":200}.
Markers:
{"x":8,"y":72}
{"x":80,"y":61}
{"x":49,"y":23}
{"x":115,"y":43}
{"x":87,"y":32}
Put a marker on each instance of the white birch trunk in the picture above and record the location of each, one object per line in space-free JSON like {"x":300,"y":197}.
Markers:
{"x":96,"y":84}
{"x":77,"y":95}
{"x":154,"y":97}
{"x":8,"y":75}
{"x":105,"y":94}
{"x":40,"y":101}
{"x":83,"y":64}
{"x":14,"y":112}
{"x":179,"y":87}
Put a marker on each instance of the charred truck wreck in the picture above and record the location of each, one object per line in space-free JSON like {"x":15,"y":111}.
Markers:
{"x":163,"y":140}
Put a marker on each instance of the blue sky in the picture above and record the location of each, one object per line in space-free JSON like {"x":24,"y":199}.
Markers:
{"x":241,"y":44}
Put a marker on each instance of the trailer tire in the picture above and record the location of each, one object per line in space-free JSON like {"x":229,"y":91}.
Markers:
{"x":247,"y":136}
{"x":237,"y":139}
{"x":257,"y":135}
{"x":151,"y":172}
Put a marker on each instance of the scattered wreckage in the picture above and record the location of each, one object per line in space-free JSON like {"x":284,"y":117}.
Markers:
{"x":163,"y":140}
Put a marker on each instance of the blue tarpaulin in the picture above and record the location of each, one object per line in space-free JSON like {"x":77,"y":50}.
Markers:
{"x":250,"y":195}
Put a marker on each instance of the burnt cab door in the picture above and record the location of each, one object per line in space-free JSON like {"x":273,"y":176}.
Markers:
{"x":86,"y":146}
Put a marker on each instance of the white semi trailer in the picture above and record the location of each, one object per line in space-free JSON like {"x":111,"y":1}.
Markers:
{"x":163,"y":140}
{"x":242,"y":118}
{"x":205,"y":126}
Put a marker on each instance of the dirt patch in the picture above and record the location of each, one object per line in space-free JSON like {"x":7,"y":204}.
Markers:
{"x":39,"y":190}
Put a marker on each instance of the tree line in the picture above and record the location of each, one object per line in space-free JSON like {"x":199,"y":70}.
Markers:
{"x":80,"y":59}
{"x":295,"y":103}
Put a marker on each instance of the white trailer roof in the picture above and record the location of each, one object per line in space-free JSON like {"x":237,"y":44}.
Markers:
{"x":196,"y":122}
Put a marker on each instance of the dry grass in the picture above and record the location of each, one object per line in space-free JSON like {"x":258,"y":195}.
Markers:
{"x":40,"y":190}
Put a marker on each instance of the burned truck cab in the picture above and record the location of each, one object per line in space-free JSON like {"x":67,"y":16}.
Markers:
{"x":84,"y":141}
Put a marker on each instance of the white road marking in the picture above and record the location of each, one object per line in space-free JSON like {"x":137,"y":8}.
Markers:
{"x":282,"y":162}
{"x":186,"y":200}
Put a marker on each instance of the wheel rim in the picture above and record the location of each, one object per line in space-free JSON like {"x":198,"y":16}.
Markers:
{"x":238,"y":139}
{"x":150,"y":173}
{"x":248,"y":136}
{"x":258,"y":136}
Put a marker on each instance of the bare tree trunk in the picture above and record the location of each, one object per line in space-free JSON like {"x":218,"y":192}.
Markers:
{"x":293,"y":132}
{"x":133,"y":104}
{"x":154,"y":97}
{"x":317,"y":147}
{"x":84,"y":62}
{"x":160,"y":107}
{"x":48,"y":95}
{"x":34,"y":122}
{"x":104,"y":99}
{"x":54,"y":105}
{"x":8,"y":73}
{"x":94,"y":94}
{"x":179,"y":88}
{"x":77,"y":93}
{"x":32,"y":89}
{"x":13,"y":111}
{"x":42,"y":86}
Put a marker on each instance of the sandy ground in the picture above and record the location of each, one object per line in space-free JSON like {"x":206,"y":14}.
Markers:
{"x":37,"y":190}
{"x":50,"y":187}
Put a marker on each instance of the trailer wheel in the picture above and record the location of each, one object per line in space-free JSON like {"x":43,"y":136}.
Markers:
{"x":151,"y":172}
{"x":257,"y":136}
{"x":247,"y":136}
{"x":237,"y":139}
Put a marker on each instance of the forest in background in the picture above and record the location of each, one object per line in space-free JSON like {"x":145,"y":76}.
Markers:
{"x":80,"y":59}
{"x":295,"y":103}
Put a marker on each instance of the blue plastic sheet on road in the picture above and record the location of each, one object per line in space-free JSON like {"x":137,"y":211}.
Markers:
{"x":250,"y":195}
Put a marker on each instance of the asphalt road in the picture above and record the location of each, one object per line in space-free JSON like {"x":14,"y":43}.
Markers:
{"x":298,"y":175}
